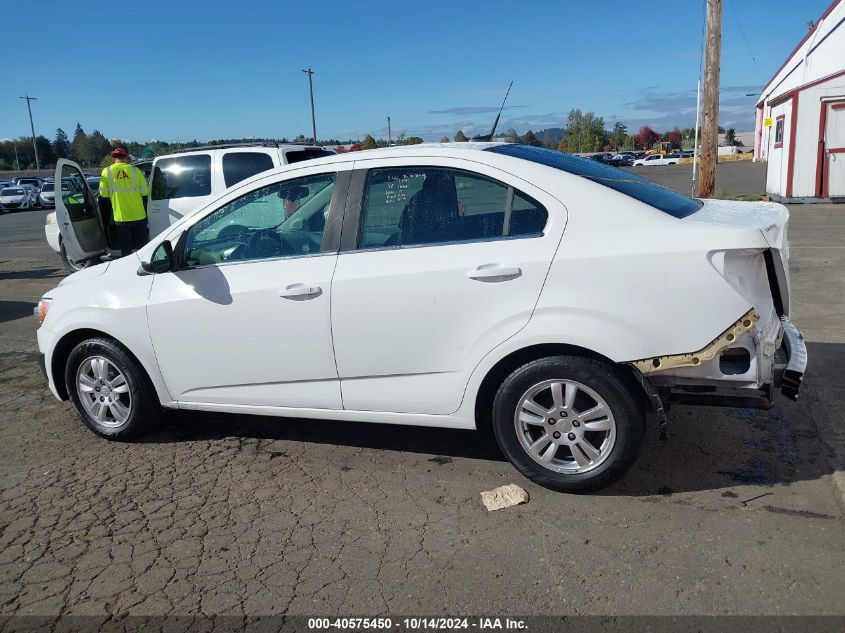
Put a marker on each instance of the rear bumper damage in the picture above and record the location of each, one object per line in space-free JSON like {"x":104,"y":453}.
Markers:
{"x":795,"y":349}
{"x":740,"y":368}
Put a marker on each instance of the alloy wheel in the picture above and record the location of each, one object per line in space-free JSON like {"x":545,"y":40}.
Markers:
{"x":565,"y":426}
{"x":103,"y":391}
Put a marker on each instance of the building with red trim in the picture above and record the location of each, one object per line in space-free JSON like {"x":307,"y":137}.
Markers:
{"x":800,"y":128}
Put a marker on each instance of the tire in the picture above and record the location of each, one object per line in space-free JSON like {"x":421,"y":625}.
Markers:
{"x":70,"y":265}
{"x":591,"y":451}
{"x":135,"y":408}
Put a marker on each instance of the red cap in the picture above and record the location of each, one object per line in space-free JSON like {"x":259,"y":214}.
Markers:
{"x":118,"y":152}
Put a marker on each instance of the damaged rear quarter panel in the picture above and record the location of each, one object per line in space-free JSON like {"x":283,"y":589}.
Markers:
{"x":631,"y":282}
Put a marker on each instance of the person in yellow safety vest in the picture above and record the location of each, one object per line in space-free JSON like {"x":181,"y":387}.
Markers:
{"x":125,"y":189}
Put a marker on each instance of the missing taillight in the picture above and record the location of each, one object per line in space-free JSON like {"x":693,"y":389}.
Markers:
{"x":735,"y":361}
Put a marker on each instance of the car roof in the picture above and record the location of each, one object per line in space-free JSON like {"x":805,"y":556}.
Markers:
{"x":239,"y":147}
{"x":410,"y":151}
{"x":425,"y":150}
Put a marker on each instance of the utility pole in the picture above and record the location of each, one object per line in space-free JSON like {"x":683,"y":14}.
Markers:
{"x":32,"y":129}
{"x":310,"y":72}
{"x":710,"y":119}
{"x":17,"y":162}
{"x":389,"y":140}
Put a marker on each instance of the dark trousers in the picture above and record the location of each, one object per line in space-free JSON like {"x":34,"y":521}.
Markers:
{"x":131,"y":235}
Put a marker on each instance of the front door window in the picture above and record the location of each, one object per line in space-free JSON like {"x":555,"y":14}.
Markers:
{"x":284,"y":219}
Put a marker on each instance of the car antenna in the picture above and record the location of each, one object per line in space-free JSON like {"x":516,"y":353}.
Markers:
{"x":489,"y":137}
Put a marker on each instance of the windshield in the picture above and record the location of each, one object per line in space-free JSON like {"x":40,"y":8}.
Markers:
{"x":637,"y":187}
{"x":48,"y":187}
{"x":11,"y":192}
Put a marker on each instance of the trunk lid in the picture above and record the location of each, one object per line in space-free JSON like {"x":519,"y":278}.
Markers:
{"x":771,"y":219}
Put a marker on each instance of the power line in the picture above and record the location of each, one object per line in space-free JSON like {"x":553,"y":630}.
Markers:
{"x":747,"y":44}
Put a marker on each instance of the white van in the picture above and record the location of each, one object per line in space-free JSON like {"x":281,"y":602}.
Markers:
{"x":180,"y":183}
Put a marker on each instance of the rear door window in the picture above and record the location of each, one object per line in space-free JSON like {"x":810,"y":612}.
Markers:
{"x":434,"y":205}
{"x":182,"y":177}
{"x":239,"y":166}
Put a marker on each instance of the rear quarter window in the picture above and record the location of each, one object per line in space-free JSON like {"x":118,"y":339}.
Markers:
{"x":625,"y":182}
{"x":182,"y":177}
{"x":239,"y":166}
{"x":299,"y":155}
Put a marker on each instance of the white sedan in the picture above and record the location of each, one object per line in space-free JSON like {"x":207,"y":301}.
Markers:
{"x":552,"y":298}
{"x":15,"y":199}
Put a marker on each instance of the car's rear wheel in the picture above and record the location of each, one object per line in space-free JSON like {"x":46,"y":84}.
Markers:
{"x":71,"y":265}
{"x":568,"y":423}
{"x":110,"y":390}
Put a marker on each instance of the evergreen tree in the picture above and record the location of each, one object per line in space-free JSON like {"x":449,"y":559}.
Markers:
{"x":618,"y":135}
{"x":460,"y":137}
{"x":78,"y":147}
{"x":369,"y":142}
{"x":531,"y":139}
{"x":61,"y":144}
{"x":511,"y":136}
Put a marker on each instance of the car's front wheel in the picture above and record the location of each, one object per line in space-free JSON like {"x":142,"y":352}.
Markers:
{"x":110,"y":390}
{"x":568,"y":423}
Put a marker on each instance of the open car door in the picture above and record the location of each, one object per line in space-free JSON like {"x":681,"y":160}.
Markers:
{"x":78,"y":214}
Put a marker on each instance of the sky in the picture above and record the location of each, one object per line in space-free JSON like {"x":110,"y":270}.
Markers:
{"x":182,"y":70}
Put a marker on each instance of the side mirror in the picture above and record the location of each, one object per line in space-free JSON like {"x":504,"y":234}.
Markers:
{"x":161,"y":260}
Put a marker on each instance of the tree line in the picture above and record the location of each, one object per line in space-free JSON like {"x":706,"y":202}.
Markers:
{"x":583,"y":132}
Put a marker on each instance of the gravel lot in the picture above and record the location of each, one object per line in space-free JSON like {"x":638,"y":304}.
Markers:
{"x":738,"y":513}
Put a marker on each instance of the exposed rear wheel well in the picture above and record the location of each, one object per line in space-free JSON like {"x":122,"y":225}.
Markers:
{"x":502,"y":369}
{"x":62,"y":352}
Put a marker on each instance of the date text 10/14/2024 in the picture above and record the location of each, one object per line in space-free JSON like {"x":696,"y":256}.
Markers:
{"x":416,"y":624}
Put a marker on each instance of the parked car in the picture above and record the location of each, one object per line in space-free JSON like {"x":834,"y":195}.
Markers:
{"x":34,"y":182}
{"x":621,"y":160}
{"x":438,"y":286}
{"x":15,"y":199}
{"x":46,"y":198}
{"x":183,"y":182}
{"x":32,"y":192}
{"x":656,"y":159}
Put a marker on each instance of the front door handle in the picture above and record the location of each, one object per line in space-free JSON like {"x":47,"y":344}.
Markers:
{"x":300,"y":292}
{"x":495,"y":272}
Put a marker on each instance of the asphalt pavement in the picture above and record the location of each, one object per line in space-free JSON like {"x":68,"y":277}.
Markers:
{"x":738,"y":513}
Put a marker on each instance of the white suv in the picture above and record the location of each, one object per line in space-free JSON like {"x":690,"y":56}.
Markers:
{"x":553,"y":297}
{"x":180,"y":184}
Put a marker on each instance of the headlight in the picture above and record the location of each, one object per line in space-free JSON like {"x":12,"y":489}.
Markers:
{"x":41,"y":309}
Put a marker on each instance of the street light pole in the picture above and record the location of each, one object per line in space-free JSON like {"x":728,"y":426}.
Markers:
{"x":32,"y":129}
{"x":389,"y":143}
{"x":310,"y":72}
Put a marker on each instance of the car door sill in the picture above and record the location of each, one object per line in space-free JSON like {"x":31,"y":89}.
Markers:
{"x":378,"y":417}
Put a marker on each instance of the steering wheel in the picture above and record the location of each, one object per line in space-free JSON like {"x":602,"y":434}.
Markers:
{"x":266,"y":243}
{"x":236,"y":232}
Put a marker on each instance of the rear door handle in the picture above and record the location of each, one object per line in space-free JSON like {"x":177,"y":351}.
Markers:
{"x":300,"y":292}
{"x":495,"y":272}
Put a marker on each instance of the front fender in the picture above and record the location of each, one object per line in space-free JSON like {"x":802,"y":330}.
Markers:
{"x":129,"y":328}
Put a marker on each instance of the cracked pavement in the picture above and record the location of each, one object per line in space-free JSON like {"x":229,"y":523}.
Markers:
{"x":739,"y":513}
